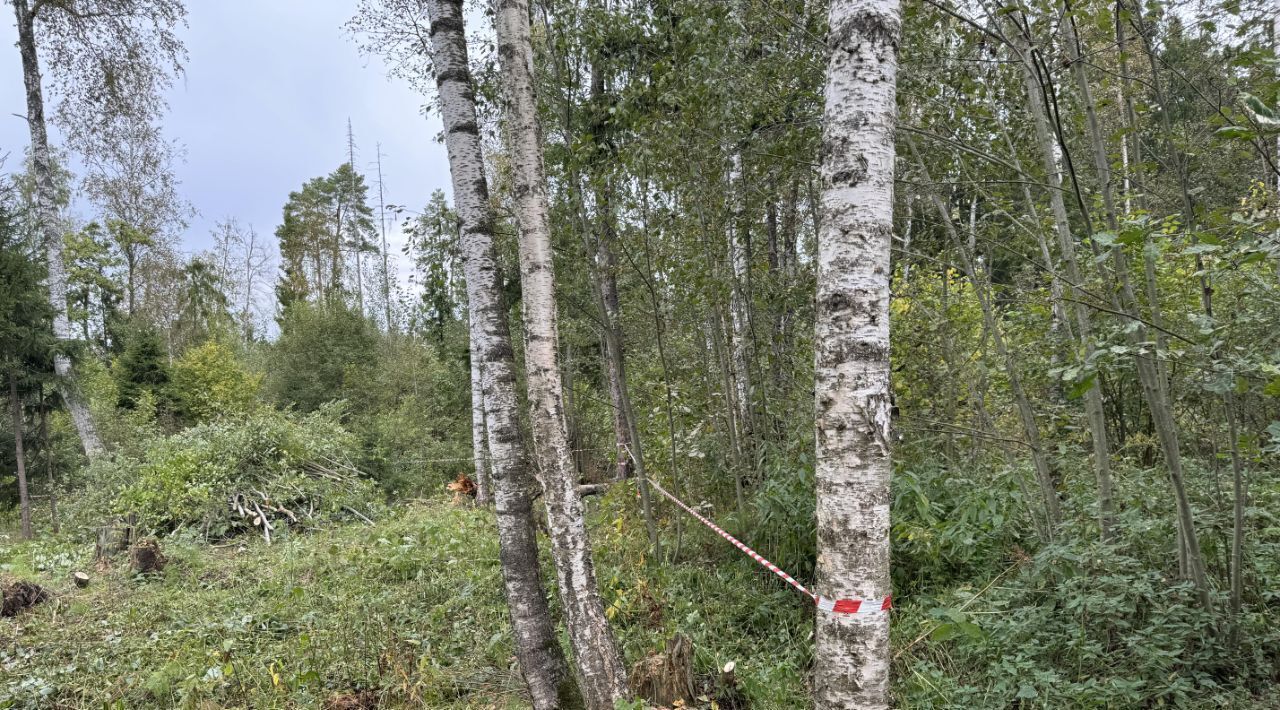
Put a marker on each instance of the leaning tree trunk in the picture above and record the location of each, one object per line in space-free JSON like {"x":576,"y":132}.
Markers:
{"x":538,"y":649}
{"x":1150,"y":375}
{"x":1046,"y":477}
{"x":24,"y":499}
{"x":851,"y":666}
{"x":46,"y":209}
{"x":1093,"y":403}
{"x":602,"y":676}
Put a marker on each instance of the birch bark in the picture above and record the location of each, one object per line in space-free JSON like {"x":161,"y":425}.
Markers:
{"x":740,"y":306}
{"x":479,"y":432}
{"x":601,"y":674}
{"x":852,"y":350}
{"x":47,"y":214}
{"x":538,"y":649}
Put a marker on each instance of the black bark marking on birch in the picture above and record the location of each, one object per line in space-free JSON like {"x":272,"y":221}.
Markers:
{"x":853,"y":175}
{"x":857,"y":304}
{"x":462,"y":76}
{"x":865,"y":26}
{"x":446,"y":24}
{"x":856,"y":351}
{"x":467,"y":127}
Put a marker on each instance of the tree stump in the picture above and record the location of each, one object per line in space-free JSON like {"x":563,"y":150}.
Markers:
{"x":113,"y":538}
{"x":146,"y":557}
{"x":464,"y":490}
{"x":728,"y":695}
{"x":667,"y":677}
{"x":80,"y":578}
{"x":20,"y":595}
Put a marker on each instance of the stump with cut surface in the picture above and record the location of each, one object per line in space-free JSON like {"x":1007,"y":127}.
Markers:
{"x":20,"y":595}
{"x":728,"y":695}
{"x":80,"y":578}
{"x":146,"y":557}
{"x":464,"y":490}
{"x":666,"y":677}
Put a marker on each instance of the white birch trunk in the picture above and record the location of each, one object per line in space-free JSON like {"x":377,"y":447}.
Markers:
{"x":601,"y":674}
{"x":538,"y":649}
{"x":479,"y":445}
{"x":47,"y":215}
{"x":739,"y":307}
{"x":851,"y":664}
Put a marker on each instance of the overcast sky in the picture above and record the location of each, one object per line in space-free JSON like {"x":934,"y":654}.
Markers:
{"x":263,"y":107}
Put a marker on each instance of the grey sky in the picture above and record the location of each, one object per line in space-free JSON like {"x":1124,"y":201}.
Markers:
{"x":263,"y":107}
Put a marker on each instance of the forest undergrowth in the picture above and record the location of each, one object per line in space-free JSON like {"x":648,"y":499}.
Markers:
{"x":408,"y":611}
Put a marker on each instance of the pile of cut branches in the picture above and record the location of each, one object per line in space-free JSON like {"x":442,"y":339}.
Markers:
{"x":266,"y":473}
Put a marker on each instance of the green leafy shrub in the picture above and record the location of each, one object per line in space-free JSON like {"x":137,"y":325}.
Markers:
{"x":208,"y":382}
{"x":318,"y":353}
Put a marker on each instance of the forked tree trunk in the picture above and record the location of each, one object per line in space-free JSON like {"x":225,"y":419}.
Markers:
{"x":602,"y":676}
{"x":537,"y":647}
{"x":851,"y":666}
{"x":24,"y":499}
{"x":46,"y":209}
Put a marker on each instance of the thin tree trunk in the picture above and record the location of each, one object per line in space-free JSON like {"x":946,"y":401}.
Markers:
{"x":24,"y":499}
{"x":46,"y":209}
{"x":660,"y":339}
{"x":1149,"y":376}
{"x":602,"y":676}
{"x":1239,"y":490}
{"x":382,"y":229}
{"x":740,"y":305}
{"x":1045,"y":475}
{"x":247,"y":325}
{"x":628,"y":435}
{"x":852,"y":351}
{"x":1093,"y":404}
{"x":479,"y":433}
{"x":537,"y":647}
{"x":48,"y":462}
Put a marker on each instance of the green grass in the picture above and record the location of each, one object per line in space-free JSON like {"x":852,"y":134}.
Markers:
{"x":410,"y":609}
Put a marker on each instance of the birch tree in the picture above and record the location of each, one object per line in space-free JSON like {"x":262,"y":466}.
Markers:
{"x":601,"y":674}
{"x":493,"y":361}
{"x":852,"y":351}
{"x":109,"y":60}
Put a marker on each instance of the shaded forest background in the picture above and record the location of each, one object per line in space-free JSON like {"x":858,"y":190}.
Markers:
{"x":1085,"y":352}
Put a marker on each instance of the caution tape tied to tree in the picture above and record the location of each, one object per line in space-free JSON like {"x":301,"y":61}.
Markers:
{"x":834,"y":606}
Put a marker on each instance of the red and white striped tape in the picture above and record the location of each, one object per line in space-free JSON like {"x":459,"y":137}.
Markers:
{"x":835,"y":606}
